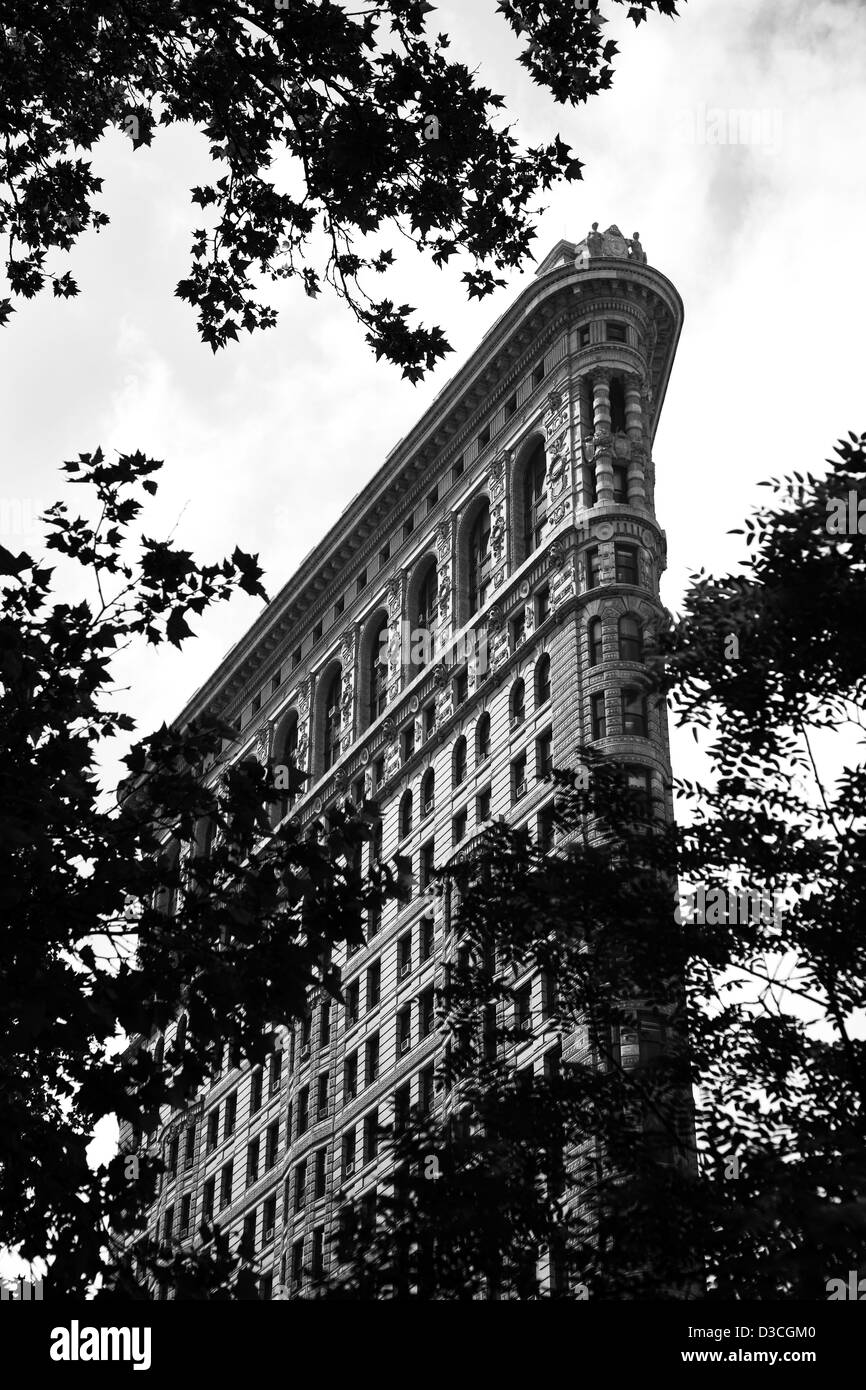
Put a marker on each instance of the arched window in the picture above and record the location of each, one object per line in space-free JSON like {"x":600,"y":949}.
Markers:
{"x":482,"y":738}
{"x":542,"y":680}
{"x":426,"y":601}
{"x":377,"y":668}
{"x":405,"y":814}
{"x":479,"y":560}
{"x":518,"y":702}
{"x":286,"y":754}
{"x":428,"y":791}
{"x":534,"y":500}
{"x":630,"y":638}
{"x":331,"y":718}
{"x":459,"y":761}
{"x":596,"y":648}
{"x":180,"y":1035}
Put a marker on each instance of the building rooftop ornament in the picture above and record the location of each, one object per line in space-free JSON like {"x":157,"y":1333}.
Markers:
{"x":609,"y":245}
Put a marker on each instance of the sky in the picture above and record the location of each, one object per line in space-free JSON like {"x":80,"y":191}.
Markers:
{"x":266,"y":443}
{"x":732,"y":140}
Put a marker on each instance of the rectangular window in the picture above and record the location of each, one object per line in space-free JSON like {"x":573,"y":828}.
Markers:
{"x":523,"y":1010}
{"x":248,"y":1238}
{"x":230,"y":1117}
{"x":371,"y":1060}
{"x":276,"y":1073}
{"x":348,"y":1148}
{"x":402,"y":1106}
{"x":173,"y":1154}
{"x":425,"y":1090}
{"x":426,"y":1012}
{"x":256,"y":1090}
{"x":542,"y":605}
{"x":213,"y":1130}
{"x":616,"y":332}
{"x":287,"y":1197}
{"x":428,"y":931}
{"x":408,"y":737}
{"x":253,"y":1160}
{"x":634,"y":713}
{"x":300,"y":1185}
{"x":404,"y":955}
{"x":428,"y":853}
{"x":371,"y":1136}
{"x":269,"y":1220}
{"x":482,"y":806}
{"x":209,"y":1199}
{"x":266,"y":1287}
{"x":361,"y":582}
{"x":429,"y":721}
{"x":384,"y":554}
{"x":461,"y":688}
{"x":378,"y":773}
{"x":511,"y":406}
{"x":272,"y":1144}
{"x":275,"y":681}
{"x":408,"y":527}
{"x":353,"y":1003}
{"x":457,"y":469}
{"x":484,"y":437}
{"x":317,"y":1268}
{"x":226,"y":1176}
{"x":303,"y":1110}
{"x":544,"y":755}
{"x":583,"y":336}
{"x":545,"y":830}
{"x":296,"y":657}
{"x":317,"y":632}
{"x":350,"y":1077}
{"x":322,"y":1096}
{"x":599,"y":717}
{"x":518,"y":629}
{"x":626,"y":564}
{"x":289,"y":1126}
{"x":592,"y":567}
{"x":404,"y":1031}
{"x":256,"y":703}
{"x":324,"y":1025}
{"x":338,"y":607}
{"x":306,"y":1033}
{"x":518,"y":777}
{"x":185,"y":1213}
{"x":538,"y":375}
{"x":168,"y":1224}
{"x":432,"y":499}
{"x":321,"y":1172}
{"x":298,"y":1263}
{"x":620,"y":483}
{"x":374,"y":984}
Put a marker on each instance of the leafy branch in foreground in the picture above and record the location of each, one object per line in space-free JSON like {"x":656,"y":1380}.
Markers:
{"x":333,"y":131}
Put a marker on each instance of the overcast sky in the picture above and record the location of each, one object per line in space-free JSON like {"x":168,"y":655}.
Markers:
{"x":265,"y":443}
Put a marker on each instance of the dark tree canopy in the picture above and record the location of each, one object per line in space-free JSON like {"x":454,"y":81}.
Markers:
{"x":753,"y":995}
{"x":333,"y":129}
{"x":90,"y":952}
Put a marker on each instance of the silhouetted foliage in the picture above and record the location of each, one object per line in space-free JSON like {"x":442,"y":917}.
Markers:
{"x":333,"y":129}
{"x":112,"y":920}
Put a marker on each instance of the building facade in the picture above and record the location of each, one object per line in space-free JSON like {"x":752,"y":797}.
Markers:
{"x":477,"y":613}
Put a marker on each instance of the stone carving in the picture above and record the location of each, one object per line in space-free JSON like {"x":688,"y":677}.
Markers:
{"x":389,"y":727}
{"x":395,"y":594}
{"x":495,"y":618}
{"x":611,"y":245}
{"x":497,"y":537}
{"x":261,"y":745}
{"x":556,"y":555}
{"x":440,"y":675}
